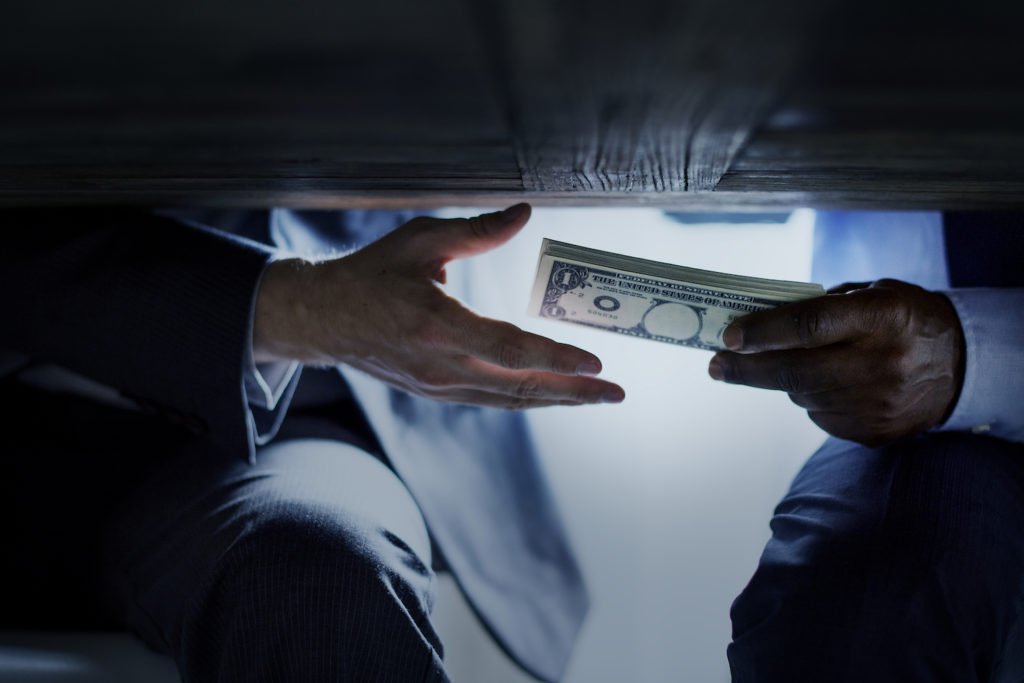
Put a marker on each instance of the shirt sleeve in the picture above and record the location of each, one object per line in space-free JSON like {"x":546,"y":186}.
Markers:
{"x":268,"y":386}
{"x":265,"y":383}
{"x":992,"y":397}
{"x":268,"y":392}
{"x":154,"y":308}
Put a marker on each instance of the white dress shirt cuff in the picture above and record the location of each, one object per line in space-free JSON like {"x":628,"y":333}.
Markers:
{"x":268,"y":386}
{"x":265,"y":383}
{"x":992,"y":395}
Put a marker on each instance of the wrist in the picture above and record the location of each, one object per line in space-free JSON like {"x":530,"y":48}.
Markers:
{"x":282,"y":316}
{"x":957,"y":353}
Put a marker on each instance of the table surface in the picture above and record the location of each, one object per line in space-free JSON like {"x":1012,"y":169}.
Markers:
{"x":694,"y":104}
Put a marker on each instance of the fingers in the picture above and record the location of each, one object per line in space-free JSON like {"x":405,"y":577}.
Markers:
{"x":866,"y":431}
{"x":504,"y":401}
{"x":485,"y":386}
{"x":509,"y":347}
{"x":827,"y":400}
{"x":529,"y":386}
{"x":804,"y":324}
{"x":837,"y":424}
{"x":441,"y":240}
{"x":469,"y":380}
{"x":794,"y":372}
{"x":838,"y":399}
{"x":854,"y":400}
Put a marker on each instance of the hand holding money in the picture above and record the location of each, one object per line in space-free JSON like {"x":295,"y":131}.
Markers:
{"x":648,"y":299}
{"x":869,"y":363}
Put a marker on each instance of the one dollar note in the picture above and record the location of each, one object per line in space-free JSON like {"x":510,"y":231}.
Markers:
{"x":648,"y":299}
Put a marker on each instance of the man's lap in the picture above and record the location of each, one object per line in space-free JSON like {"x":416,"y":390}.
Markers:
{"x":312,"y":523}
{"x":299,"y":493}
{"x":878,"y":557}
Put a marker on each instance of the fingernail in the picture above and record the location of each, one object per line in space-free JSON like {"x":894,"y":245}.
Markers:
{"x":613,"y":396}
{"x":733,"y":337}
{"x":512,"y":213}
{"x":588,"y":367}
{"x":716,"y":369}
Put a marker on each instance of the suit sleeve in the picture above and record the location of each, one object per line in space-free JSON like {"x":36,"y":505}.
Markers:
{"x":156,"y":308}
{"x":992,"y":395}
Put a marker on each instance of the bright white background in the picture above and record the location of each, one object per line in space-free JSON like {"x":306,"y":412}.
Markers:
{"x":667,"y":496}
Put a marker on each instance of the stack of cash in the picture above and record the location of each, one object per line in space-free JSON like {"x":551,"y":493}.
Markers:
{"x":648,"y":299}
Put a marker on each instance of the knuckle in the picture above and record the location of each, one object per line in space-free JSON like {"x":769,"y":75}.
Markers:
{"x":900,"y":314}
{"x":477,"y":226}
{"x":890,"y":310}
{"x":510,"y":356}
{"x":517,"y":403}
{"x":569,"y":363}
{"x":888,"y":283}
{"x":578,"y":397}
{"x":789,"y":379}
{"x":528,"y":388}
{"x":812,"y":323}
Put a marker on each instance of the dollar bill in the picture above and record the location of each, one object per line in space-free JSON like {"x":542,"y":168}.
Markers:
{"x":648,"y":299}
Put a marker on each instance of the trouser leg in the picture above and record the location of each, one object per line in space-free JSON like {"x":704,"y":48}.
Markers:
{"x":312,"y":565}
{"x":904,"y":563}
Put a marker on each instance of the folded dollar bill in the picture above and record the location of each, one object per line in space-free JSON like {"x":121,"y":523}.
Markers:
{"x":648,"y":299}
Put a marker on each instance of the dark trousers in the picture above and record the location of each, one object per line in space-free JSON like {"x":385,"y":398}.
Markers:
{"x":312,"y":565}
{"x":903,"y":563}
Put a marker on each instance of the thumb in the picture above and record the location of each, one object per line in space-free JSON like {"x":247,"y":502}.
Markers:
{"x":461,"y":237}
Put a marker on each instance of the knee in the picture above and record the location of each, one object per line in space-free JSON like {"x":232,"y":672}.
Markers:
{"x":283,"y":537}
{"x":935,"y":498}
{"x":320,"y":521}
{"x":954,"y":500}
{"x":854,"y":511}
{"x":298,"y":553}
{"x":352,"y":597}
{"x":918,"y":543}
{"x":920,"y":517}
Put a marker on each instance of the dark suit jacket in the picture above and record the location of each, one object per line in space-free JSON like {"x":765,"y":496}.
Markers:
{"x":159,"y":308}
